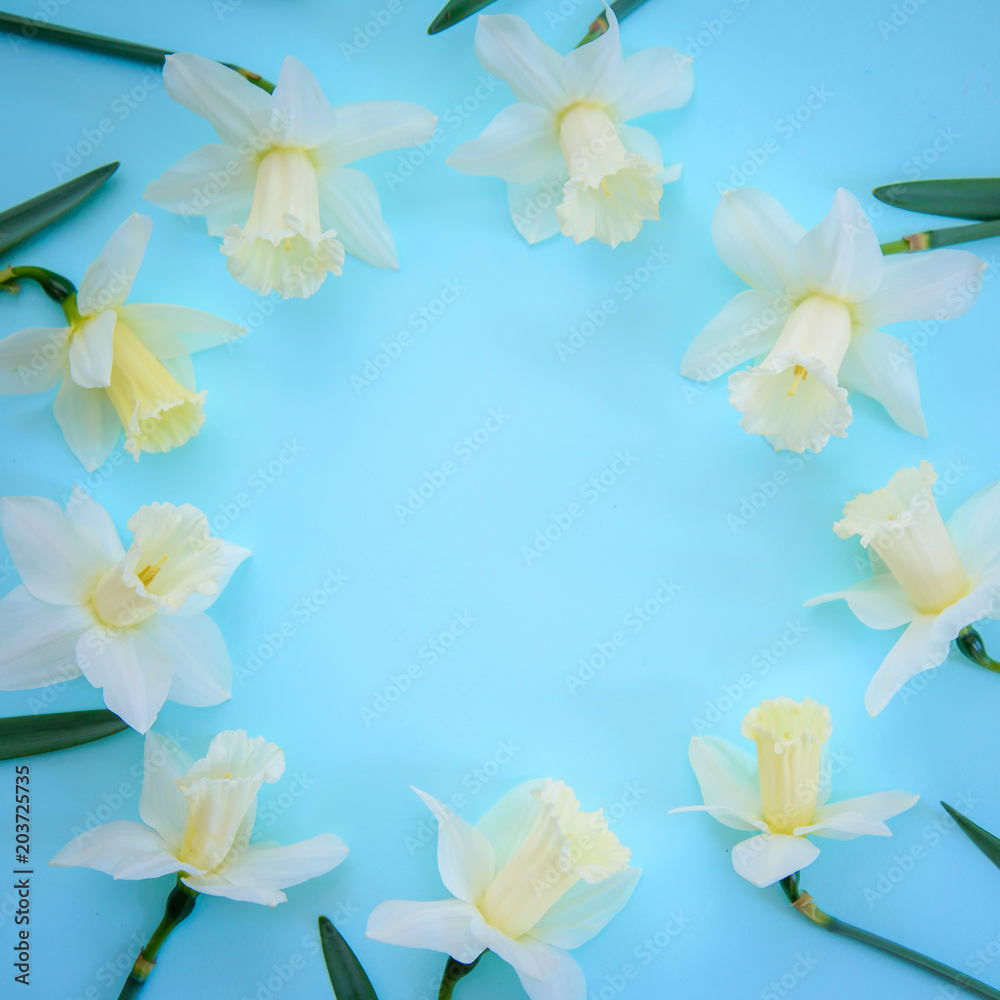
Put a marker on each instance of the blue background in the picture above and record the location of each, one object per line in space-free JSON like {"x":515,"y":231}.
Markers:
{"x":888,"y":82}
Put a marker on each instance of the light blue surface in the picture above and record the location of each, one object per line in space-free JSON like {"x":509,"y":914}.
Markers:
{"x":888,"y":96}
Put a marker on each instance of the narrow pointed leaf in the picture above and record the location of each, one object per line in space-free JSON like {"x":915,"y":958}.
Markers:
{"x":454,"y":11}
{"x":347,"y":977}
{"x":983,"y":839}
{"x":960,"y":198}
{"x":30,"y":28}
{"x":22,"y":220}
{"x":599,"y":25}
{"x":28,"y":735}
{"x":930,"y":239}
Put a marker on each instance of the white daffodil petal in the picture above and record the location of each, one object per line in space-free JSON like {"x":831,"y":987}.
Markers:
{"x":237,"y":109}
{"x":230,"y":556}
{"x":88,"y":421}
{"x":174,"y":331}
{"x":747,"y":326}
{"x":565,"y":982}
{"x":33,"y":360}
{"x":349,"y":204}
{"x":727,"y":777}
{"x":770,"y":857}
{"x":108,"y":280}
{"x":216,"y":884}
{"x":841,"y":257}
{"x":508,"y":48}
{"x":39,"y":645}
{"x":638,"y":140}
{"x":91,"y":351}
{"x":280,"y":866}
{"x":364,"y":128}
{"x":941,"y":284}
{"x":536,"y":962}
{"x":855,"y":817}
{"x":162,"y":804}
{"x":878,"y":601}
{"x":880,"y":366}
{"x":975,"y":529}
{"x":735,"y":819}
{"x":915,"y":651}
{"x":983,"y":601}
{"x":202,"y":669}
{"x":60,"y":560}
{"x":212,"y":180}
{"x":585,"y":910}
{"x":465,"y":856}
{"x":595,"y":72}
{"x":756,"y":238}
{"x":134,"y":672}
{"x":533,"y":206}
{"x":656,"y":79}
{"x":300,"y":108}
{"x":443,"y":925}
{"x":520,"y":145}
{"x":124,"y":849}
{"x":85,"y":510}
{"x":507,"y":824}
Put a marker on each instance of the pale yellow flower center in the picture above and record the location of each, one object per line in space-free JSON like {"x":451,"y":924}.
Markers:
{"x":564,"y":846}
{"x":157,"y":412}
{"x":789,"y":737}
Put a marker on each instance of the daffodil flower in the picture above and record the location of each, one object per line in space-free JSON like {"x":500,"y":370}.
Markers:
{"x":567,"y":133}
{"x":813,"y":315}
{"x":784,"y":794}
{"x":277,"y":188}
{"x":935,"y":578}
{"x":534,"y":877}
{"x":116,"y":365}
{"x":197,"y":821}
{"x":131,"y":621}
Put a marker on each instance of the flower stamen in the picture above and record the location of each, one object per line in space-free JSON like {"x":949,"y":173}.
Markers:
{"x":800,"y":376}
{"x":147,"y":575}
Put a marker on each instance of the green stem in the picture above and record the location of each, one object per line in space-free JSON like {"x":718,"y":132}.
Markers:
{"x":55,"y":286}
{"x":453,"y":972}
{"x":930,"y":239}
{"x":180,"y":903}
{"x":970,"y":643}
{"x":803,"y":902}
{"x":30,"y":28}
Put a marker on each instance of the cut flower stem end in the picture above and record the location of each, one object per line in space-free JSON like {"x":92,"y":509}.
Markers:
{"x":180,"y":903}
{"x":971,"y":645}
{"x":804,"y":903}
{"x":454,"y":971}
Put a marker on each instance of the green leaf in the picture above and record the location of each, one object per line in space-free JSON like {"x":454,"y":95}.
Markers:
{"x":348,"y":979}
{"x":454,"y":11}
{"x":983,"y":839}
{"x":31,"y":28}
{"x":22,"y":220}
{"x":28,"y":735}
{"x":965,"y":198}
